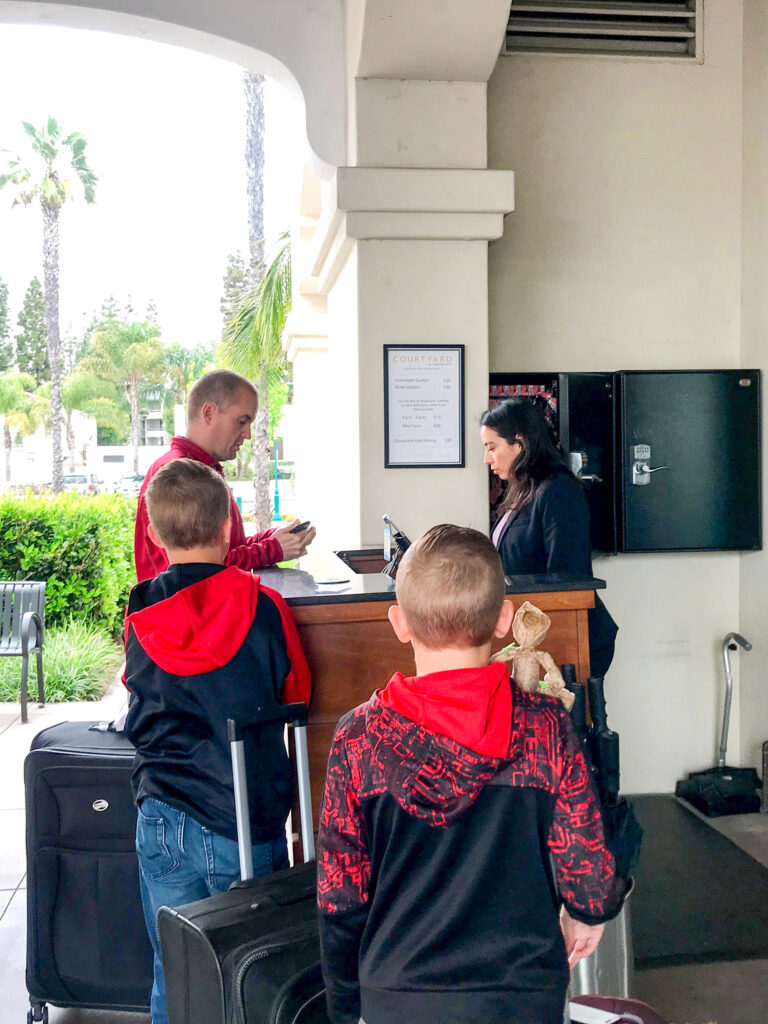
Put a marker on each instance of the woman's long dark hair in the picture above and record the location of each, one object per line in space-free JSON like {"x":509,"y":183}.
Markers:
{"x":522,"y":419}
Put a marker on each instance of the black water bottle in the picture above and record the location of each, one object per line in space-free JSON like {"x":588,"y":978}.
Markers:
{"x":568,"y":672}
{"x":603,"y":742}
{"x":579,"y":709}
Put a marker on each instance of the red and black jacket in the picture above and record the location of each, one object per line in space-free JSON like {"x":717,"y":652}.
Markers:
{"x":204,"y":643}
{"x":446,"y":797}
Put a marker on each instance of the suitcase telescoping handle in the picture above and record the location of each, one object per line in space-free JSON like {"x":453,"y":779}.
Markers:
{"x":290,"y":714}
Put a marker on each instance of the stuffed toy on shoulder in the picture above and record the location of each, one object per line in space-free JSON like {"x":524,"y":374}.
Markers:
{"x":526,"y":663}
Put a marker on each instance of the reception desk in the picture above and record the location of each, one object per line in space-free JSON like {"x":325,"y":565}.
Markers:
{"x":352,"y":650}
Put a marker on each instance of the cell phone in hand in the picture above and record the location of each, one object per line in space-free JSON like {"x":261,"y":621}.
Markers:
{"x":300,"y":527}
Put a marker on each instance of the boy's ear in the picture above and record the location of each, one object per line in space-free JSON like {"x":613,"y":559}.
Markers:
{"x":399,"y":623}
{"x":504,"y":621}
{"x":226,"y":532}
{"x":153,"y":536}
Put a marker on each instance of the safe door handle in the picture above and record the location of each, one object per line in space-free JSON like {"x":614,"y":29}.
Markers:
{"x":641,"y":473}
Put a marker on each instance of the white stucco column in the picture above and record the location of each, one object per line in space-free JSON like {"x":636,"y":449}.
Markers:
{"x":421,"y":239}
{"x":401,"y":255}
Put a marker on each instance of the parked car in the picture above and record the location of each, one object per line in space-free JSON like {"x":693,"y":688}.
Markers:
{"x":82,"y":483}
{"x":130,"y":484}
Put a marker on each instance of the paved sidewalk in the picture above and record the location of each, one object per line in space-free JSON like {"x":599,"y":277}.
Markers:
{"x":15,"y":739}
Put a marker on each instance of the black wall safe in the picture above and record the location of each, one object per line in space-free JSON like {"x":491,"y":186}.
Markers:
{"x":670,"y":459}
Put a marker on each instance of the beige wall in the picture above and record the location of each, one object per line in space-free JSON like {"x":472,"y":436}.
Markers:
{"x":754,"y":567}
{"x":624,"y":252}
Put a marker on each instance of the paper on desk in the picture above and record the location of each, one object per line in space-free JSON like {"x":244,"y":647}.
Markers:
{"x":323,"y":564}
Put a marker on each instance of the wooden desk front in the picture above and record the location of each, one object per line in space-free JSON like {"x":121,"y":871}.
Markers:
{"x":352,"y":651}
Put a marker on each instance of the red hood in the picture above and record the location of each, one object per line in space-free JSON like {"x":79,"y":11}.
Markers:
{"x":441,"y":738}
{"x":201,"y":627}
{"x":471,"y":706}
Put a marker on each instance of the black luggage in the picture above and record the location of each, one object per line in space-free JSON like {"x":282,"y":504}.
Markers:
{"x":250,"y":955}
{"x":87,"y":944}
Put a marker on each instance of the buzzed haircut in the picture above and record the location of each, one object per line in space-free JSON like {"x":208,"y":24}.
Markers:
{"x":188,"y":504}
{"x":220,"y":387}
{"x":450,"y":586}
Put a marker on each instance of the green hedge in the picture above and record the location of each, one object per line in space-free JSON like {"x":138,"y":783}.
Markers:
{"x":82,"y":546}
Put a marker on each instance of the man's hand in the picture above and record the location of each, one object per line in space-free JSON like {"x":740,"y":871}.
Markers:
{"x":580,"y":939}
{"x":294,"y":544}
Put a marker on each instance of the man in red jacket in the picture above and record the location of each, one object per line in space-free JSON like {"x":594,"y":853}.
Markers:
{"x":220,"y":410}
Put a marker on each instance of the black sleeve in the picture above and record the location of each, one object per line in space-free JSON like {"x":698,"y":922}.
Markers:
{"x":564,"y":515}
{"x":340,"y":936}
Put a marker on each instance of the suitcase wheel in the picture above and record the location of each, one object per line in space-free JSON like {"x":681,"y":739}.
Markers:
{"x":37,"y":1012}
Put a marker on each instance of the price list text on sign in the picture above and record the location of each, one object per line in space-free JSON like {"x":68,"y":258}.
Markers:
{"x":423,"y":406}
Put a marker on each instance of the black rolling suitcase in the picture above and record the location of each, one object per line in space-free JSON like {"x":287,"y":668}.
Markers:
{"x":250,"y":955}
{"x":87,"y":944}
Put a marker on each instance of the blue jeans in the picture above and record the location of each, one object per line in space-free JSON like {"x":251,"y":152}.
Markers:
{"x":181,"y":861}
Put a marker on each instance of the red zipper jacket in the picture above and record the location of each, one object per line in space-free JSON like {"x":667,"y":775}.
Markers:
{"x":448,"y":798}
{"x":244,"y":552}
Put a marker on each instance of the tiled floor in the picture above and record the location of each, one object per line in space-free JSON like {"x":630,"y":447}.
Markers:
{"x":726,"y":993}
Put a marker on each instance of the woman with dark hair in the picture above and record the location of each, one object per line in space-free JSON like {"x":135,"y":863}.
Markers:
{"x":543,"y":524}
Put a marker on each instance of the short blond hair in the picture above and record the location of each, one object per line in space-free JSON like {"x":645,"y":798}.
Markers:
{"x":221,"y":387}
{"x":450,"y":586}
{"x":187,"y":504}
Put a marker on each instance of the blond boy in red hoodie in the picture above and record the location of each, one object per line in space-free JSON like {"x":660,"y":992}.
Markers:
{"x":204,"y":642}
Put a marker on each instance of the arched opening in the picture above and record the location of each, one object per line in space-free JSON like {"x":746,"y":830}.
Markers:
{"x":176,"y":225}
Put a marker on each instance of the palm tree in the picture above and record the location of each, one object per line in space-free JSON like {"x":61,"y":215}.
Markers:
{"x":252,"y":345}
{"x":131,"y":356}
{"x":18,"y":409}
{"x":254,"y":169}
{"x":183,"y":366}
{"x":51,"y":189}
{"x":85,"y":392}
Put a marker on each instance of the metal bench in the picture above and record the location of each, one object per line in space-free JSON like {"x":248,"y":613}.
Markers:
{"x":22,"y":630}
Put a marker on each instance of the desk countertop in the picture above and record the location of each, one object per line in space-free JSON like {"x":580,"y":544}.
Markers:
{"x":324,"y":579}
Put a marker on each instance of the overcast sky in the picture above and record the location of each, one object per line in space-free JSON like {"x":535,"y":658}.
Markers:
{"x":165,"y":130}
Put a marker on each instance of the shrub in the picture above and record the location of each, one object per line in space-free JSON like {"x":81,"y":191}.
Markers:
{"x":82,"y":546}
{"x":79,"y":663}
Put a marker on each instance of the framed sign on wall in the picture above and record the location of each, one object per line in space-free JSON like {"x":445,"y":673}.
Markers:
{"x":423,"y":406}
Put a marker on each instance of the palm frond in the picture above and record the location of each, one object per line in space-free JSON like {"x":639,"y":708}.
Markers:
{"x":252,"y":341}
{"x":53,"y":188}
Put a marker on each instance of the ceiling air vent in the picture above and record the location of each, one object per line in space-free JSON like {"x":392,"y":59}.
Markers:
{"x":645,"y":28}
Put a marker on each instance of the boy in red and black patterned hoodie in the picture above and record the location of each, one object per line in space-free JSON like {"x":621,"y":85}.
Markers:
{"x":449,"y":797}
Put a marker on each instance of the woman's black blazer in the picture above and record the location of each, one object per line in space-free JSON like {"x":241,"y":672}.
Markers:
{"x":551,"y":535}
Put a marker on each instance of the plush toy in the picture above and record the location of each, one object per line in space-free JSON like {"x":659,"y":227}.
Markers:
{"x":529,"y":627}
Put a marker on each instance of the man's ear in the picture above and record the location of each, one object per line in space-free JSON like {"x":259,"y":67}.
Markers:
{"x":153,"y":536}
{"x":399,"y":623}
{"x":504,"y":621}
{"x":207,"y":412}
